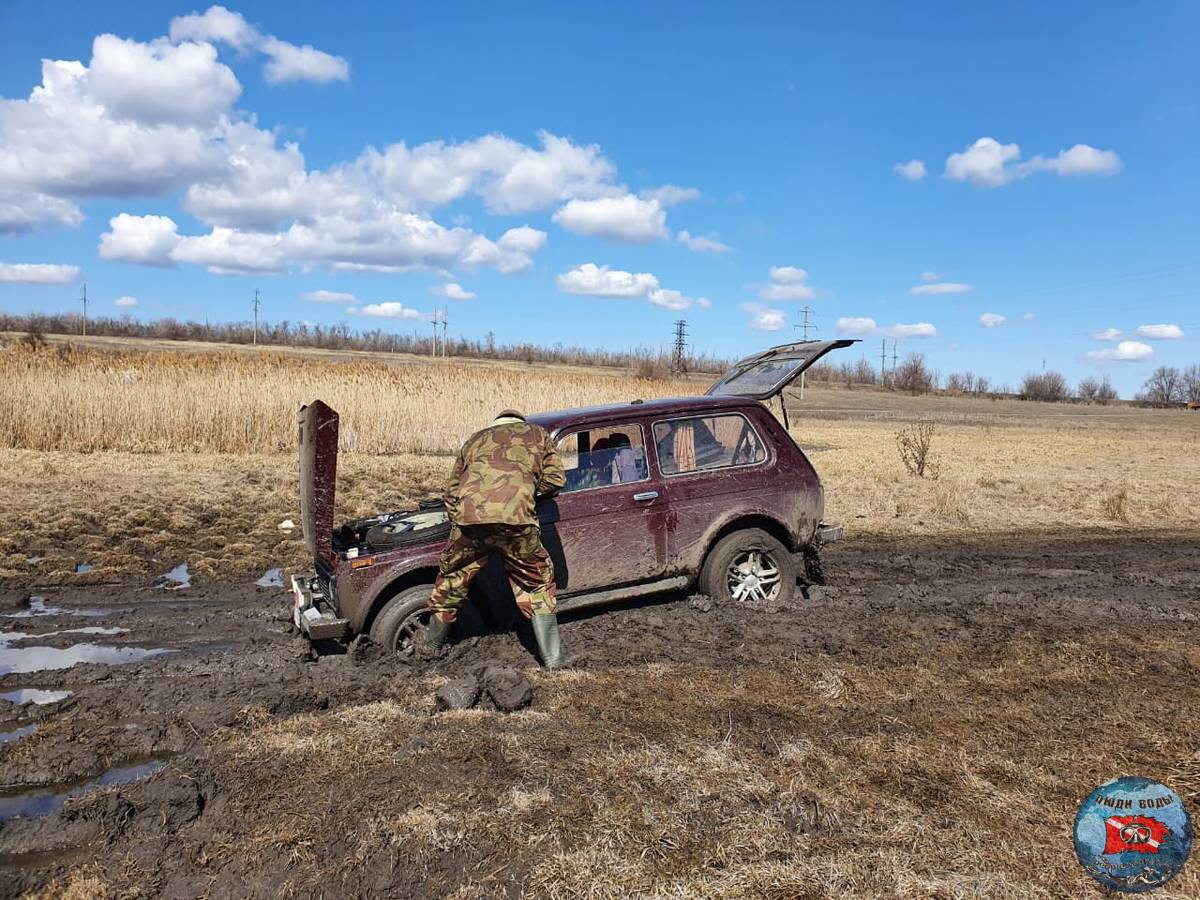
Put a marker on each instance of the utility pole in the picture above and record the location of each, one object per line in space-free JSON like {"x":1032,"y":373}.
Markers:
{"x":678,"y":362}
{"x":894,"y":357}
{"x":805,"y":326}
{"x":433,"y":351}
{"x":445,"y":320}
{"x":257,"y":304}
{"x":84,"y":301}
{"x":883,"y":362}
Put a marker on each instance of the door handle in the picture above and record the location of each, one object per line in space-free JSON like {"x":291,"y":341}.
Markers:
{"x":645,"y":496}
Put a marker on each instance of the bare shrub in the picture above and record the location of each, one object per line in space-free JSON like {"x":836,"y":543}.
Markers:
{"x":651,"y":368}
{"x":1191,"y":383}
{"x":914,"y":442}
{"x":1114,"y":505}
{"x":1164,"y":387}
{"x":1047,"y":387}
{"x":913,"y":376}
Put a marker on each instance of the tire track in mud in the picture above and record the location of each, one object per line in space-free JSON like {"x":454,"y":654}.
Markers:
{"x":237,"y":663}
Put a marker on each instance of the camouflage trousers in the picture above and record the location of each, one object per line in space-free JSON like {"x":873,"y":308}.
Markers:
{"x":530,"y":571}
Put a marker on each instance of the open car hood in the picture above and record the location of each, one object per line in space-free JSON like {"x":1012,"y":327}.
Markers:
{"x":318,"y":476}
{"x":766,"y":374}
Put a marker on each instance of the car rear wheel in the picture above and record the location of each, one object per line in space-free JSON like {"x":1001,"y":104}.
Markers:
{"x":401,"y":622}
{"x":749,"y":566}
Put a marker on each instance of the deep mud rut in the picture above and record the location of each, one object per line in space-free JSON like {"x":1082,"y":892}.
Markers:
{"x":235,"y":663}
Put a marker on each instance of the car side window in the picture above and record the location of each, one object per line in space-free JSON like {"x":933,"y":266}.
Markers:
{"x":602,"y":457}
{"x":707,"y":442}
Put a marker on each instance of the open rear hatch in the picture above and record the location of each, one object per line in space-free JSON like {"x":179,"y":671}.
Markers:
{"x":766,"y":374}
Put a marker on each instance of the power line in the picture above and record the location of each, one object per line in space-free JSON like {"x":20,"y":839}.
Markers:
{"x":84,"y":301}
{"x":679,"y":360}
{"x":257,"y":304}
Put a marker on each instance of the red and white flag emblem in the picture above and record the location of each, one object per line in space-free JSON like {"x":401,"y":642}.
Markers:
{"x":1141,"y":833}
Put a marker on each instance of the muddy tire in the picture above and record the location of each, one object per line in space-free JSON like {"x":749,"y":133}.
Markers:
{"x":402,"y":621}
{"x":748,"y":566}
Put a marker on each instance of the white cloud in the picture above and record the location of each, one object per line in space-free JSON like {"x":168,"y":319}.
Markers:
{"x":155,"y":241}
{"x":930,"y":276}
{"x":1160,"y":332}
{"x":765,"y":318}
{"x":600,"y":281}
{"x":592,"y":280}
{"x":1108,"y":334}
{"x":388,"y":310}
{"x":787,"y":283}
{"x":451,"y":290}
{"x":867,"y":327}
{"x":287,"y":62}
{"x":627,"y":219}
{"x":24,"y":213}
{"x":670,"y":194}
{"x":323,"y":296}
{"x":1126,"y":351}
{"x":991,"y":320}
{"x":913,"y":170}
{"x":215,"y":24}
{"x":125,"y":302}
{"x":941,"y":287}
{"x":513,"y":252}
{"x":988,"y":163}
{"x":37,"y":273}
{"x":702,"y":243}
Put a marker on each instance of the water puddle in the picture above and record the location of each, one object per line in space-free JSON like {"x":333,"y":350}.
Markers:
{"x":273,"y":578}
{"x":38,"y":607}
{"x":8,"y":636}
{"x":45,"y":802}
{"x":7,"y":737}
{"x":177,"y":579}
{"x":36,"y":696}
{"x":34,"y":560}
{"x":83,"y":568}
{"x":42,"y":659}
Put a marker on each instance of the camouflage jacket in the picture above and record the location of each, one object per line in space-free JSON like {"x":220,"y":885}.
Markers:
{"x":499,"y":474}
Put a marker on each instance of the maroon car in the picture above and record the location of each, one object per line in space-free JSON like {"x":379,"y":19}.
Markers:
{"x":703,"y":492}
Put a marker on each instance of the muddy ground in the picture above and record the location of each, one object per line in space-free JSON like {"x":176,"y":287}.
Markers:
{"x":924,"y":725}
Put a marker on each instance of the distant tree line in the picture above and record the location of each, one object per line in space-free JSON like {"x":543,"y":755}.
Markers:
{"x":644,"y":362}
{"x":1169,"y":386}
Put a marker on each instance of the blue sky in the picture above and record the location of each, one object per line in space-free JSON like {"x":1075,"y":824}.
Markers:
{"x":590,"y":174}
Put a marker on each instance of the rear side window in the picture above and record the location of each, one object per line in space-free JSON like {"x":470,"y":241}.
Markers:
{"x":707,"y":442}
{"x":601,"y":457}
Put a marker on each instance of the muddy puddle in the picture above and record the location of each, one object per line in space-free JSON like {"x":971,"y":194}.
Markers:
{"x":8,"y":737}
{"x":36,"y":696}
{"x":21,"y":659}
{"x":272,"y":578}
{"x":37,"y":608}
{"x":175,"y":580}
{"x":44,"y":802}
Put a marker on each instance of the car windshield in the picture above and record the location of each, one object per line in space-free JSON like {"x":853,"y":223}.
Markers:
{"x":762,"y":378}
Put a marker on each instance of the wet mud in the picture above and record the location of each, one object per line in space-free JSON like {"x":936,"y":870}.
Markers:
{"x":110,"y":760}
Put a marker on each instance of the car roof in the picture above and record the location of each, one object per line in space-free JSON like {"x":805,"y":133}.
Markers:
{"x":665,"y":406}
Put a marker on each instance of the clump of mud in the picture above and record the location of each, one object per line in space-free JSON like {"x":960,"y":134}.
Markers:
{"x":499,"y":688}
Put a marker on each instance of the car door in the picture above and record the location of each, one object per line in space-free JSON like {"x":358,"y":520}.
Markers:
{"x":608,"y":526}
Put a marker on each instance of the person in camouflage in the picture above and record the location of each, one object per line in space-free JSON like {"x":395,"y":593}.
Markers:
{"x":491,"y":500}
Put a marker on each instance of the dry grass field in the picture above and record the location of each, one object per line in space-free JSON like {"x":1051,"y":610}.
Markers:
{"x":130,"y":460}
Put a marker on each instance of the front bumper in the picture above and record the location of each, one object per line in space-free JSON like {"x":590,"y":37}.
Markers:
{"x":312,"y":613}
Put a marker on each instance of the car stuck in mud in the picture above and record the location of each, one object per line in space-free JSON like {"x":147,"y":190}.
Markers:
{"x":708,"y":492}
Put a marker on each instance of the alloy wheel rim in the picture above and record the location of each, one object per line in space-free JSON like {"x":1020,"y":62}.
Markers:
{"x":753,"y":576}
{"x":410,"y":631}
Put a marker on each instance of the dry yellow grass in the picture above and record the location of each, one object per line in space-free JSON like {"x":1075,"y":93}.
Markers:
{"x":199,"y":467}
{"x":88,"y":400}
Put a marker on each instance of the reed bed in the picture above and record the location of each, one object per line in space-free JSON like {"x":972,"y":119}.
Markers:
{"x":89,"y":400}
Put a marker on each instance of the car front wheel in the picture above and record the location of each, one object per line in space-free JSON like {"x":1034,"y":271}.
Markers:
{"x":401,"y":622}
{"x":749,"y":566}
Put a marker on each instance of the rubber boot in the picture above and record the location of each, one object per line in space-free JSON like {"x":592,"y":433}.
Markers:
{"x":545,"y":631}
{"x":435,"y":635}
